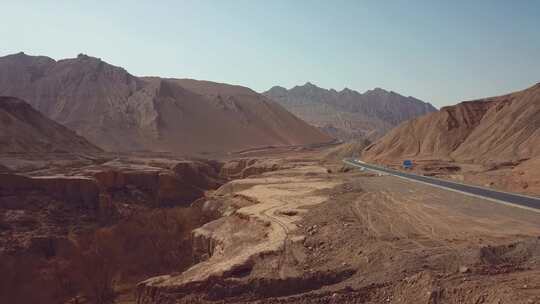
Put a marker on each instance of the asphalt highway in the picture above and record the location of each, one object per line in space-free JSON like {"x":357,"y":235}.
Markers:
{"x":518,"y":200}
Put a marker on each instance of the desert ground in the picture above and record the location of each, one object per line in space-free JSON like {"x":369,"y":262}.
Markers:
{"x":267,"y":226}
{"x":191,"y":159}
{"x":514,"y":176}
{"x":316,"y":232}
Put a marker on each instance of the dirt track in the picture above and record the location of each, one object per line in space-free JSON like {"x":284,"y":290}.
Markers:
{"x":308,"y":236}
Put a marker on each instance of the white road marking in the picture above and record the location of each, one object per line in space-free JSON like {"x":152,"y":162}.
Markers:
{"x":453,"y":190}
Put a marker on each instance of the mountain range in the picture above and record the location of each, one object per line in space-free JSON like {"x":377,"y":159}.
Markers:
{"x":490,"y":130}
{"x":348,"y":114}
{"x":118,"y":111}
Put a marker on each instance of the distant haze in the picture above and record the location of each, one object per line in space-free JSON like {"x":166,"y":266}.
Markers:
{"x":438,"y":51}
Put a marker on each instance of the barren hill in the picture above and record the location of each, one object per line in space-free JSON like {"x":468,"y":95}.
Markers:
{"x":121,"y":112}
{"x":491,"y":130}
{"x":348,"y":114}
{"x":23,"y":129}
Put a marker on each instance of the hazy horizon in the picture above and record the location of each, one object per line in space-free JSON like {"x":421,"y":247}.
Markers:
{"x":438,"y":52}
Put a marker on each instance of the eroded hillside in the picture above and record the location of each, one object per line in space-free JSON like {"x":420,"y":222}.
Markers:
{"x":121,"y":112}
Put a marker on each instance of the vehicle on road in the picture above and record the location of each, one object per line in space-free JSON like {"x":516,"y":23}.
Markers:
{"x":515,"y":199}
{"x":407,"y":164}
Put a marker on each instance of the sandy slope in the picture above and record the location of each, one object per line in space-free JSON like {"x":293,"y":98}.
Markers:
{"x":23,"y":129}
{"x":497,"y":129}
{"x":492,"y":142}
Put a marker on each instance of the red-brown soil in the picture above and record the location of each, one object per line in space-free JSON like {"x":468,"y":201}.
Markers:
{"x":52,"y":196}
{"x":307,"y":235}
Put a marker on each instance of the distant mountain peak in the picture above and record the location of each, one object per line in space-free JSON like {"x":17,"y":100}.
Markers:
{"x":278,"y":89}
{"x":18,"y":55}
{"x":310,"y":85}
{"x":348,"y":113}
{"x":22,"y":56}
{"x":377,"y":90}
{"x":307,"y":87}
{"x":87,"y":57}
{"x":347,"y":90}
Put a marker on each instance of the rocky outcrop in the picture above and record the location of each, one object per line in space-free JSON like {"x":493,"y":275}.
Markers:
{"x":81,"y":191}
{"x":23,"y":129}
{"x":121,"y":112}
{"x":37,"y":213}
{"x":234,"y":168}
{"x":235,"y":251}
{"x":348,"y":114}
{"x":492,"y":130}
{"x":205,"y":241}
{"x":183,"y":183}
{"x":200,"y":174}
{"x":245,"y":167}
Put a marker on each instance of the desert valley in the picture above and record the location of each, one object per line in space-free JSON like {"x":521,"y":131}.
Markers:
{"x":116,"y":188}
{"x":220,"y":152}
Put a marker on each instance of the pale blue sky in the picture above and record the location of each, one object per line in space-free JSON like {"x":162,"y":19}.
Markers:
{"x":439,"y":51}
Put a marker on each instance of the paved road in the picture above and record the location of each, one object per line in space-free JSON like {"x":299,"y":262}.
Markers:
{"x":528,"y":202}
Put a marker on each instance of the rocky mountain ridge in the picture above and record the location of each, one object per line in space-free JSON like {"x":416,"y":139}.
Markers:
{"x":348,"y":114}
{"x":121,"y":112}
{"x":490,"y":130}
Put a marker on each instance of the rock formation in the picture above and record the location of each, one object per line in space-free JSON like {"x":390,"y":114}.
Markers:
{"x":120,"y":112}
{"x":491,"y":130}
{"x":51,"y":205}
{"x":348,"y":114}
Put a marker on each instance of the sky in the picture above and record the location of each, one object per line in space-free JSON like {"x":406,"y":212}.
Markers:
{"x":442,"y":52}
